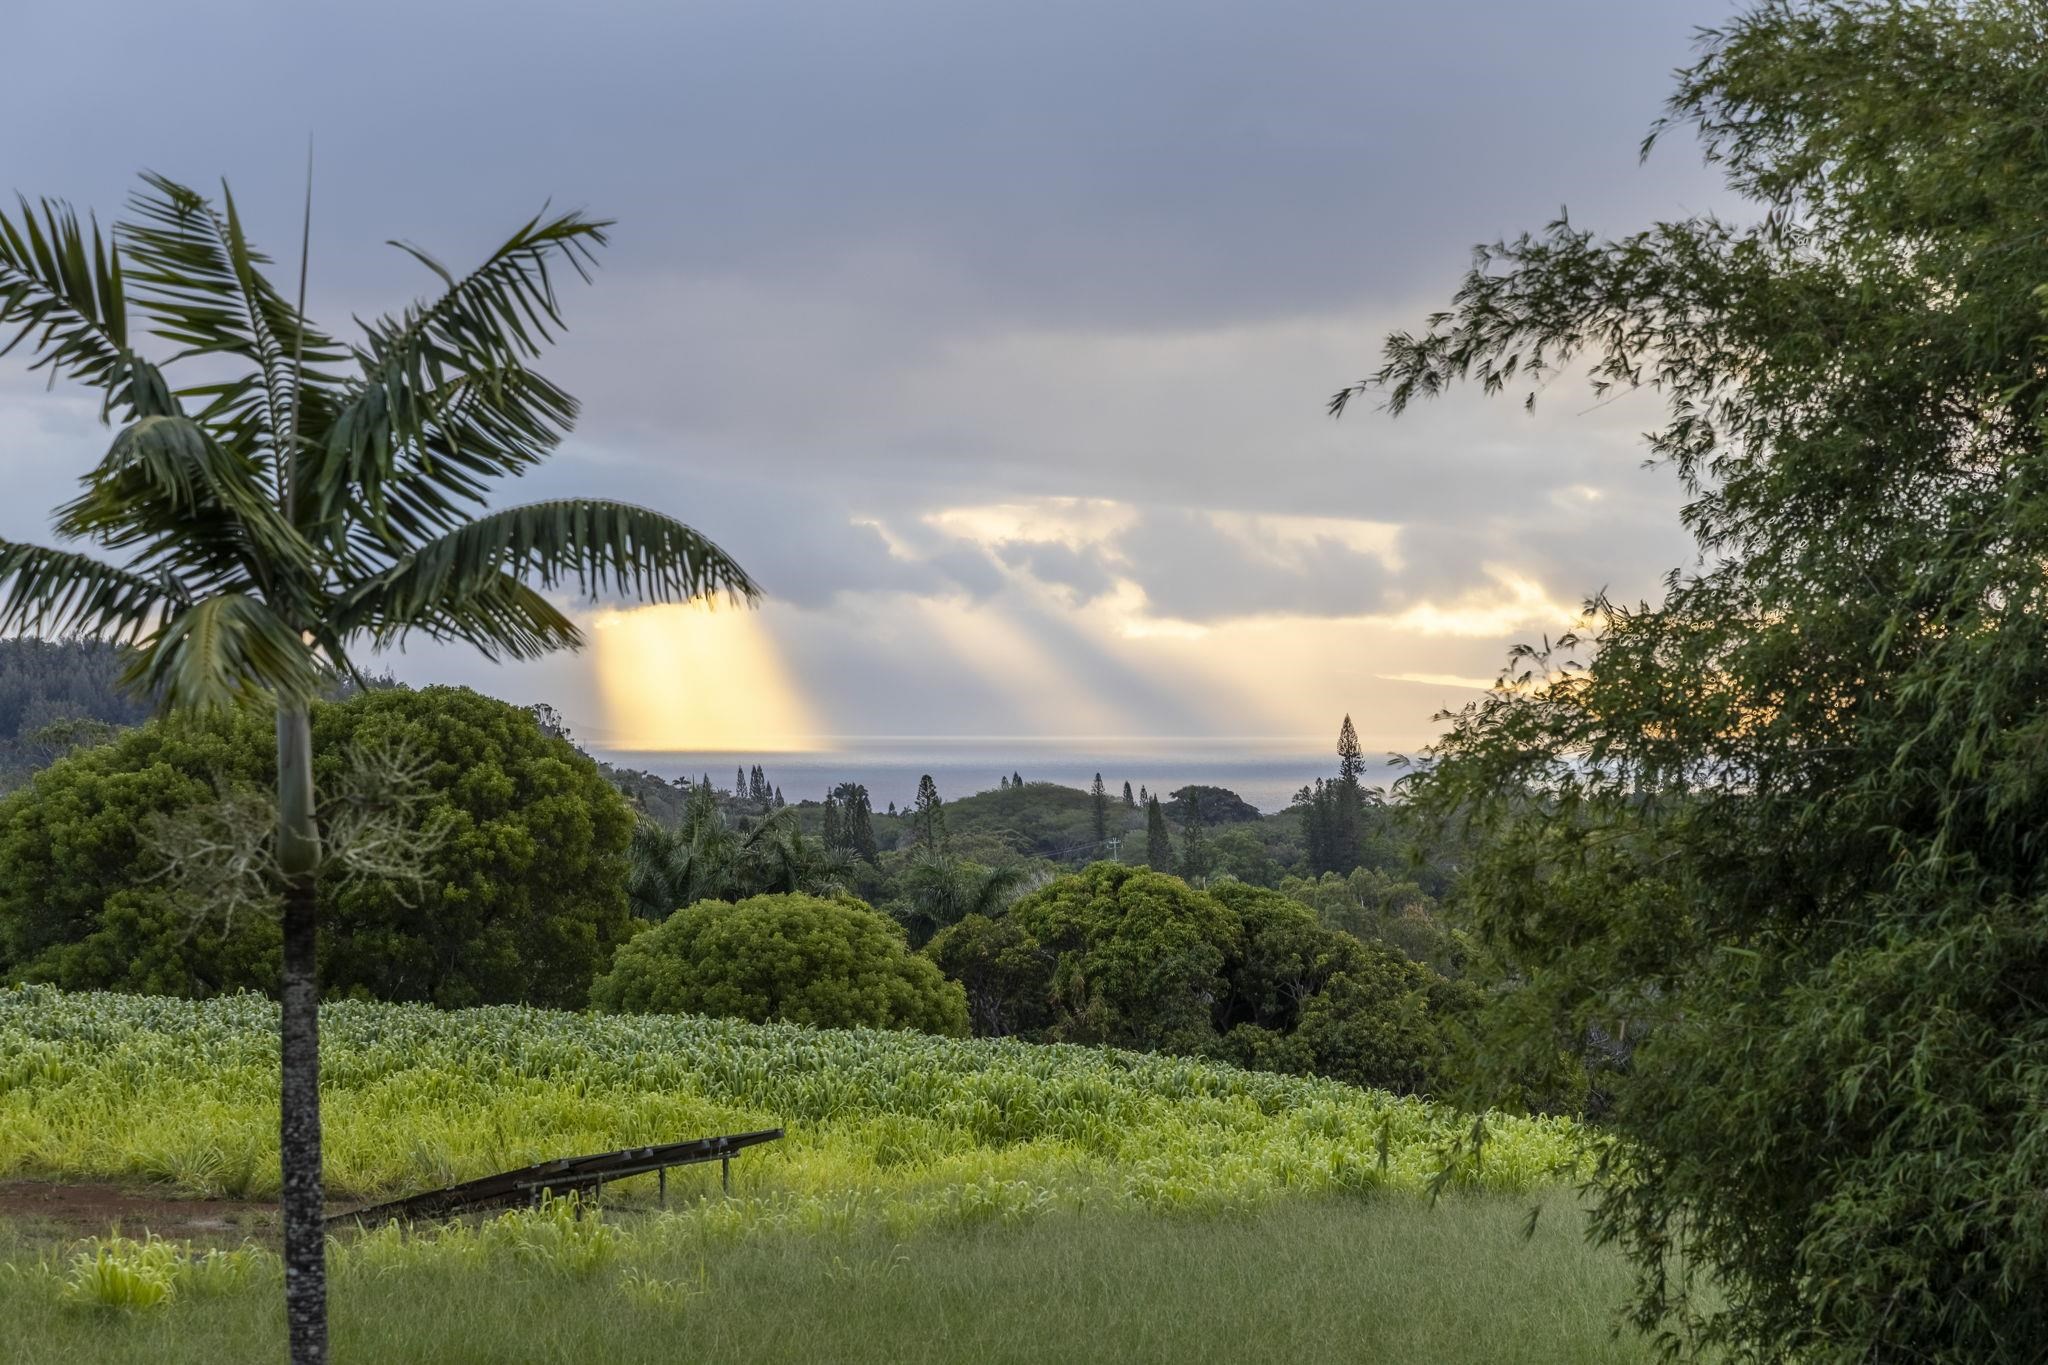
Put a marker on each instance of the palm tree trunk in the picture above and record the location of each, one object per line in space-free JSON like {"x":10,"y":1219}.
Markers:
{"x":305,"y":1234}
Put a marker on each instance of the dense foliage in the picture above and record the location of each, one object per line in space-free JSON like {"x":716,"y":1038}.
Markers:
{"x":902,"y":1126}
{"x":1781,"y":832}
{"x":525,"y":891}
{"x":802,"y":959}
{"x":54,"y":693}
{"x":1138,"y":959}
{"x":716,"y":853}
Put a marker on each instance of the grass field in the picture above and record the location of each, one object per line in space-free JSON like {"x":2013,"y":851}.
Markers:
{"x":890,"y":1125}
{"x":1373,"y":1278}
{"x":934,"y":1200}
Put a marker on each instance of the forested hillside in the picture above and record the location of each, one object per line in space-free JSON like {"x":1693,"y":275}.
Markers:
{"x":53,"y":693}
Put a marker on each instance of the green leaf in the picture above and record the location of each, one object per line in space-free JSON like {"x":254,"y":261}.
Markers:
{"x":65,"y":298}
{"x":598,"y":546}
{"x":225,"y":650}
{"x":200,"y":282}
{"x":445,"y":397}
{"x":61,"y":592}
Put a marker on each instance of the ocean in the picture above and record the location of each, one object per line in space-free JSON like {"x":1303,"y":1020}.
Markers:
{"x":1265,"y":772}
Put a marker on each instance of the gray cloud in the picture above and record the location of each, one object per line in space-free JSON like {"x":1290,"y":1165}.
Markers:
{"x":1082,"y":571}
{"x":877,"y":261}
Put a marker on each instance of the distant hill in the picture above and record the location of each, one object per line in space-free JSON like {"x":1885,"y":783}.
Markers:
{"x":45,"y":684}
{"x":1047,"y":820}
{"x":1219,"y":806}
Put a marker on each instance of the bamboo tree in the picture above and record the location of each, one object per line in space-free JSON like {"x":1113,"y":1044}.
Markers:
{"x":299,"y":499}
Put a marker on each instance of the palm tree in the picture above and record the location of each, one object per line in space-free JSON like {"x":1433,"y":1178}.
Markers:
{"x":299,"y":499}
{"x":940,"y":889}
{"x":705,"y":859}
{"x":774,"y":856}
{"x":671,"y":868}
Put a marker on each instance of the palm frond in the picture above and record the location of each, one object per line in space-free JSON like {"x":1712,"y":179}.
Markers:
{"x":487,"y":423}
{"x":227,"y":649}
{"x":598,"y":546}
{"x":199,"y":280}
{"x":168,"y":492}
{"x":65,"y":296}
{"x":500,"y":616}
{"x":62,"y":592}
{"x":484,"y":327}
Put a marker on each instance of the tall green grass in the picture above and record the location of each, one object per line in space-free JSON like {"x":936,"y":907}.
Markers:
{"x":1380,"y":1278}
{"x":883,"y":1127}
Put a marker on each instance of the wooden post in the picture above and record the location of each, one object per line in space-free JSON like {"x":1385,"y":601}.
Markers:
{"x":661,"y":1178}
{"x":725,"y":1173}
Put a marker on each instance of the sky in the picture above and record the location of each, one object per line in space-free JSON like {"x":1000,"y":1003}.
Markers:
{"x":992,"y":339}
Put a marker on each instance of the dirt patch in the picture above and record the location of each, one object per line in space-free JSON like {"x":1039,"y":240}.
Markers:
{"x":58,"y":1210}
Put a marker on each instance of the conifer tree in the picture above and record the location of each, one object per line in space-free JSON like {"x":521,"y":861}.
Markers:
{"x":779,"y":802}
{"x":928,"y":818}
{"x":1350,"y":758}
{"x":1016,"y":779}
{"x":1006,"y":782}
{"x":1194,"y":852}
{"x":1144,"y":797}
{"x":1130,"y":802}
{"x":1158,"y":847}
{"x":1099,"y":803}
{"x":1315,"y":826}
{"x":1346,"y":828}
{"x":834,"y":832}
{"x":739,"y":784}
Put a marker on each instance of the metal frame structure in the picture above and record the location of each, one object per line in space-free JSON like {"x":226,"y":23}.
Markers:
{"x":564,"y":1175}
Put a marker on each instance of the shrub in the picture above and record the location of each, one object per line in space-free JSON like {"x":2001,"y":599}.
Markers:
{"x":1138,"y":959}
{"x":805,"y":959}
{"x":1140,"y":956}
{"x":1006,"y":974}
{"x":524,"y":899}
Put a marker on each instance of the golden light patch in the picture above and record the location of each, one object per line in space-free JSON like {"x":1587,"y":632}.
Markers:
{"x":1515,"y":603}
{"x":1072,"y":522}
{"x":693,"y":678}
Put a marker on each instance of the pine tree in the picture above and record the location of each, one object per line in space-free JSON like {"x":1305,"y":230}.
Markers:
{"x":1315,"y":827}
{"x":1016,"y":779}
{"x":928,"y":819}
{"x":739,"y":784}
{"x":1194,"y":852}
{"x":1346,"y":832}
{"x":1158,"y":847}
{"x":1350,"y":758}
{"x":1006,"y":782}
{"x":1144,"y":797}
{"x":1130,"y":802}
{"x":779,"y":802}
{"x":1099,"y":803}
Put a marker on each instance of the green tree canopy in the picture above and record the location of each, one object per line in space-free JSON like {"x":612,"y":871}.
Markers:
{"x":1121,"y":955}
{"x":524,"y":898}
{"x":805,"y":959}
{"x":1781,"y":829}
